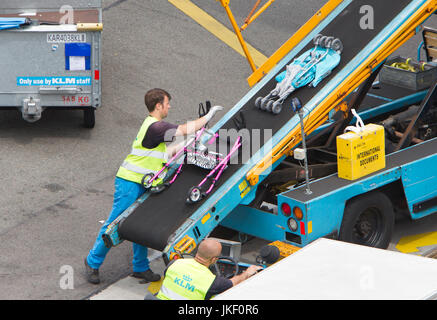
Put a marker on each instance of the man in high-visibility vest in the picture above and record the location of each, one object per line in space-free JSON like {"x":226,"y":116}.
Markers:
{"x":148,"y":154}
{"x":191,"y":279}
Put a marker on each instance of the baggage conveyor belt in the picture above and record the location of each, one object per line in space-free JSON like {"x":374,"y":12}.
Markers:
{"x":158,"y":216}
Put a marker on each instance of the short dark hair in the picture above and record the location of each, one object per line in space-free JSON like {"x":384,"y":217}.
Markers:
{"x":155,"y":96}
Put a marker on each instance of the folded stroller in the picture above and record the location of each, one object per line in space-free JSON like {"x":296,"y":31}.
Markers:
{"x":308,"y":69}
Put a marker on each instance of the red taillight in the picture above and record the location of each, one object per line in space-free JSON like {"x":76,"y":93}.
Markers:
{"x":96,"y":75}
{"x":302,"y":228}
{"x":286,"y":209}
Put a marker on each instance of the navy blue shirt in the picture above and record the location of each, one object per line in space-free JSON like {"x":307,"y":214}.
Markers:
{"x":158,"y":132}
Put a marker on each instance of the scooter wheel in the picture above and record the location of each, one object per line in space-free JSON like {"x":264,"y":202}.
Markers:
{"x":269,"y":105}
{"x":337,"y":45}
{"x":258,"y":102}
{"x":316,"y":39}
{"x":322,"y":41}
{"x":277,"y":107}
{"x":194,"y":195}
{"x":328,"y":42}
{"x":146,"y":180}
{"x":264,"y":103}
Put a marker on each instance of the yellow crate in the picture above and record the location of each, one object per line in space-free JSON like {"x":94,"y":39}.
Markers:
{"x":359,"y":154}
{"x":285,"y":249}
{"x":185,"y":245}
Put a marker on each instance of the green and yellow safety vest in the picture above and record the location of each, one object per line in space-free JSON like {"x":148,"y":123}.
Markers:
{"x":186,"y":279}
{"x":141,"y":160}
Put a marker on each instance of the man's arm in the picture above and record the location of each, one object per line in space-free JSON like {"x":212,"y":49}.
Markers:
{"x":192,"y":126}
{"x":245,"y":275}
{"x":174,"y":147}
{"x":222,"y":284}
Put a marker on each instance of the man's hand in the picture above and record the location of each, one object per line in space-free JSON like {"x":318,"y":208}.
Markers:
{"x":246,"y":274}
{"x":252,"y":270}
{"x":212,"y":112}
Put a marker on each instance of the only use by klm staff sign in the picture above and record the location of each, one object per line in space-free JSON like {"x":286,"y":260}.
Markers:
{"x":53,"y":81}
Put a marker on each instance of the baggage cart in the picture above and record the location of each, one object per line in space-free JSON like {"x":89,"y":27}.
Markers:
{"x":52,"y":59}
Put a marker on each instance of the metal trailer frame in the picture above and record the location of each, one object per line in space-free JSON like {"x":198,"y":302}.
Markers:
{"x":35,"y":61}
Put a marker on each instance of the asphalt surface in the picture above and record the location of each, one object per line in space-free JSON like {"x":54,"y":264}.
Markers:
{"x":57,"y":177}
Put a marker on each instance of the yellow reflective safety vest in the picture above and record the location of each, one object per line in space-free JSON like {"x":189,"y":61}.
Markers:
{"x":141,"y":160}
{"x":186,"y":279}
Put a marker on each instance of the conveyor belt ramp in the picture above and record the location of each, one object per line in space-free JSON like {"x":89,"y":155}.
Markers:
{"x":160,"y":221}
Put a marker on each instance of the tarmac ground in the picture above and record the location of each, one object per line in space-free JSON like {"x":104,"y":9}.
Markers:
{"x":57,"y":177}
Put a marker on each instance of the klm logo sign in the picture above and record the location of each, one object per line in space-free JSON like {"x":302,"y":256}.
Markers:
{"x":53,"y":81}
{"x":185,"y":283}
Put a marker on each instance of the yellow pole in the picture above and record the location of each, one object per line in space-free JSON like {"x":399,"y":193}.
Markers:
{"x":225,"y":4}
{"x":257,"y":14}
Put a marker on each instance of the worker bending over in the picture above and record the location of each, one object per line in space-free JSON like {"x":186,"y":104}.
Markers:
{"x":148,"y":154}
{"x":191,"y":279}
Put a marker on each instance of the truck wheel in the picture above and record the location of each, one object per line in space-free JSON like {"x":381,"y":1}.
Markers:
{"x":89,"y":118}
{"x":368,"y":220}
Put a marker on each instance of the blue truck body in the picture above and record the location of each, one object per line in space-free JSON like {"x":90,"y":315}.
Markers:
{"x":410,"y":177}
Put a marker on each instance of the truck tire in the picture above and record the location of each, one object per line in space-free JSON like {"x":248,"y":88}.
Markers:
{"x":368,"y":220}
{"x":89,"y":118}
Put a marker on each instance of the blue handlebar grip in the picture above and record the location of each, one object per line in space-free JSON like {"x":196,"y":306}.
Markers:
{"x":296,"y":104}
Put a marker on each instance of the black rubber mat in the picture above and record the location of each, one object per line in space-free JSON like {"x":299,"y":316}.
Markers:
{"x":385,"y":94}
{"x":154,"y":221}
